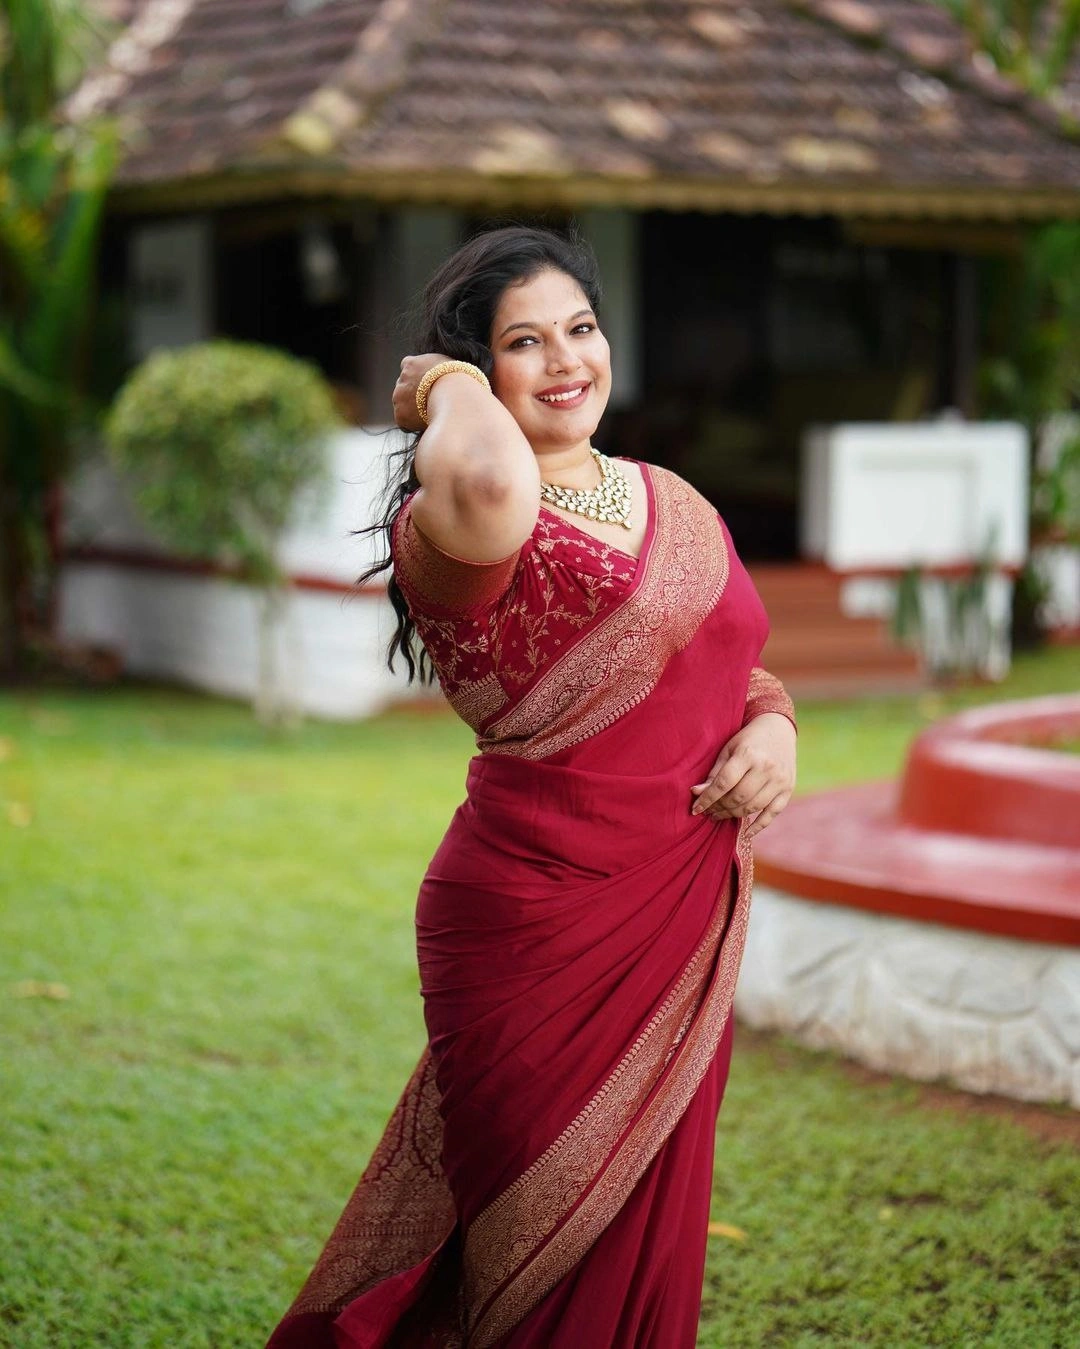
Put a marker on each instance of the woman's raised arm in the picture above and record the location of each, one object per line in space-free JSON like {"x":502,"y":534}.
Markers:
{"x":479,"y":481}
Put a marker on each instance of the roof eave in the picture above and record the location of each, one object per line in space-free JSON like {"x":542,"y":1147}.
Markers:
{"x":575,"y":192}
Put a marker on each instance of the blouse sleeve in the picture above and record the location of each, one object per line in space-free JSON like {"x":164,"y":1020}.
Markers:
{"x":439,"y":581}
{"x":767,"y":694}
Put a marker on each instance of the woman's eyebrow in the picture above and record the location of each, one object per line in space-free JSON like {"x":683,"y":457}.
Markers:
{"x":580,"y":314}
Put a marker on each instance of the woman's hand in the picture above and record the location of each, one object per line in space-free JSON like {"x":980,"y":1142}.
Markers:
{"x":413,"y":370}
{"x":754,"y":774}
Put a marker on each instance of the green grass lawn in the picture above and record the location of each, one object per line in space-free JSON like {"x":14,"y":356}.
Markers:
{"x":230,"y":917}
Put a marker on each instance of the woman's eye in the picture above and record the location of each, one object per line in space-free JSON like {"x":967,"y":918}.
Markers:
{"x":519,"y":342}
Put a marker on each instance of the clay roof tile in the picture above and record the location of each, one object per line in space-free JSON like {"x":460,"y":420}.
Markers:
{"x":644,"y":101}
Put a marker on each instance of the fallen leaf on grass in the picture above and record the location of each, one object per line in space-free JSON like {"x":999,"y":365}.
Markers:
{"x":19,"y":814}
{"x":36,"y":988}
{"x":726,"y":1230}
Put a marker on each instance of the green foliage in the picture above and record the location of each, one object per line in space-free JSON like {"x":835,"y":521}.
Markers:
{"x":217,"y":439}
{"x":1058,"y":492}
{"x":53,"y":180}
{"x":231,"y":914}
{"x":1033,"y":329}
{"x":1032,"y":41}
{"x":1031,"y":590}
{"x":949,"y":619}
{"x":52,"y":185}
{"x":44,"y":47}
{"x":1032,"y":374}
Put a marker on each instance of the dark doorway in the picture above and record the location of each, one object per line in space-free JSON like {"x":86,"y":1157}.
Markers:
{"x":755,"y":328}
{"x":292,"y":283}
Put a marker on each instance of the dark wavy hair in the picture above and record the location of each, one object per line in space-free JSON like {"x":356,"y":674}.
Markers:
{"x":456,"y":313}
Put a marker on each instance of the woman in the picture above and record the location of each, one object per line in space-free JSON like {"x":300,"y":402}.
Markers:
{"x":544,"y":1181}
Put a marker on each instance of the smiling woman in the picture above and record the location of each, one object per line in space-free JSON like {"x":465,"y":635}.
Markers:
{"x":544,"y":1182}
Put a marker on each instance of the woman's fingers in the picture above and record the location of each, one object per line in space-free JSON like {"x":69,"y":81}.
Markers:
{"x":406,"y":413}
{"x":737,"y":804}
{"x":754,"y":774}
{"x":413,"y":369}
{"x":738,"y":782}
{"x":766,"y":817}
{"x":753,"y":784}
{"x":728,"y":770}
{"x":750,"y":793}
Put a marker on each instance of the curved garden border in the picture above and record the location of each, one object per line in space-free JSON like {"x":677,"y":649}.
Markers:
{"x":931,"y":927}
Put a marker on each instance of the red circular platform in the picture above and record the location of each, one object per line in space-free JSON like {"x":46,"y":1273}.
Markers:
{"x":982,"y":831}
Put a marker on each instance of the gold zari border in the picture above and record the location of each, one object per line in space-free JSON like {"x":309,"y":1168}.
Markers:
{"x":516,"y":1250}
{"x":399,"y":1213}
{"x":616,"y":664}
{"x":765,"y":693}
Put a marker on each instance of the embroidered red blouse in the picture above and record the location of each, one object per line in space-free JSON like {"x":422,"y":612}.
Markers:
{"x":494,"y":630}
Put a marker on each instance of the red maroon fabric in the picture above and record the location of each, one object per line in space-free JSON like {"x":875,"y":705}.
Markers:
{"x":545,"y":1179}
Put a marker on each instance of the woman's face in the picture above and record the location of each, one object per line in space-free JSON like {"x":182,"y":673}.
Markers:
{"x":552,"y":363}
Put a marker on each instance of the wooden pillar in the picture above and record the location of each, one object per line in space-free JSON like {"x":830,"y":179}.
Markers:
{"x":410,"y":243}
{"x":615,"y":237}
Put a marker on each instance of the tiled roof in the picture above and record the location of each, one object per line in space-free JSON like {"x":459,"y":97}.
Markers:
{"x":787,"y":105}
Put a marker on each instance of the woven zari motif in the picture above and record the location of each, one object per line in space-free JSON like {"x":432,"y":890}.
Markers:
{"x":489,"y":630}
{"x":400,"y":1211}
{"x":617,"y":662}
{"x":766,"y":694}
{"x":538,"y":1230}
{"x":604,"y":612}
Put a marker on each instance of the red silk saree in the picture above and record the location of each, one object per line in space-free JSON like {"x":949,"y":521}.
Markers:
{"x":544,"y":1180}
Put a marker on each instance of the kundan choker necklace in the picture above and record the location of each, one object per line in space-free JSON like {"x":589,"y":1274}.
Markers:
{"x":610,"y":502}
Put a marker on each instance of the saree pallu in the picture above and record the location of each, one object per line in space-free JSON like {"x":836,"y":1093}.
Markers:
{"x":545,"y":1178}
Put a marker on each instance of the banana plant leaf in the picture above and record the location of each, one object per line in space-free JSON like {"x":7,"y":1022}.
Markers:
{"x":21,"y":381}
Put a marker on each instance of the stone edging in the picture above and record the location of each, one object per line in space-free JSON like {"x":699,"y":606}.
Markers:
{"x":987,"y":1013}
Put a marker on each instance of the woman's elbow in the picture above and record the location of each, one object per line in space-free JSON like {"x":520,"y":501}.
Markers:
{"x":498,"y":507}
{"x":486,"y":486}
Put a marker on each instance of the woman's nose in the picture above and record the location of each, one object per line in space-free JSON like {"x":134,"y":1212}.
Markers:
{"x":562,"y":356}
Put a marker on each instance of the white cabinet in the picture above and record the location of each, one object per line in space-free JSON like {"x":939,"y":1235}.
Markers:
{"x":882,"y":496}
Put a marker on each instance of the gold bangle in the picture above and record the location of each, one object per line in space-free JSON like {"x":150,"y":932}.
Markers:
{"x":437,"y":372}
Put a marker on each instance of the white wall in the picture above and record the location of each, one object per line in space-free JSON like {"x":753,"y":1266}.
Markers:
{"x":1059,"y":566}
{"x":201,"y":630}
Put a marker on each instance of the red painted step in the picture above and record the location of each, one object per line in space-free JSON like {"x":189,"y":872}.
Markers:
{"x":816,"y":649}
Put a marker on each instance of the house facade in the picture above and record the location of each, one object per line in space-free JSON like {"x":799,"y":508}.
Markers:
{"x":790,"y":202}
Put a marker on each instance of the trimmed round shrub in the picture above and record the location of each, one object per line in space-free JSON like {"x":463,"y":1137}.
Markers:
{"x":217,"y":439}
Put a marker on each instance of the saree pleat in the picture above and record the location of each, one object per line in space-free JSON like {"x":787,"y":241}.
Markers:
{"x":642,"y":1281}
{"x":544,"y":1181}
{"x":555,"y":979}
